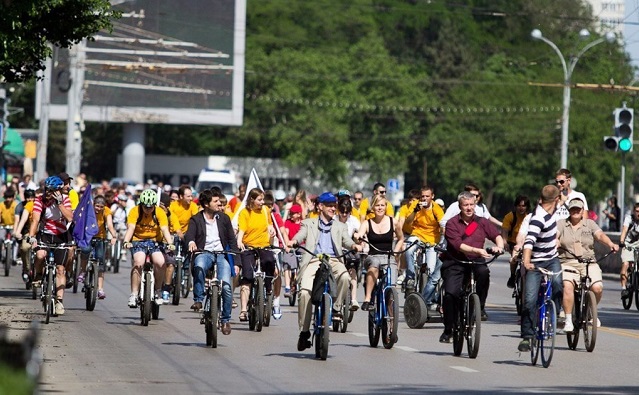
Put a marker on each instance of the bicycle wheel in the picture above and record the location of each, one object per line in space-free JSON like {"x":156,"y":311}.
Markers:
{"x":635,"y":288}
{"x":268,"y":309}
{"x":91,"y":286}
{"x":534,"y":341}
{"x":49,"y":295}
{"x":187,"y":280}
{"x":627,"y":302}
{"x":547,"y":342}
{"x":517,"y":293}
{"x":577,"y":319}
{"x":346,"y":312}
{"x":473,"y":336}
{"x":145,"y":306}
{"x":390,"y":321}
{"x":8,"y":261}
{"x":214,"y":315}
{"x":155,"y":310}
{"x":176,"y":282}
{"x":115,"y":260}
{"x":458,"y":329}
{"x":415,"y":311}
{"x":322,"y":338}
{"x":373,"y":330}
{"x":252,"y":317}
{"x":590,"y":318}
{"x":259,"y":304}
{"x":74,"y":272}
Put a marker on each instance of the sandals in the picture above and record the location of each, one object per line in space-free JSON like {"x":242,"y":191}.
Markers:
{"x":243,"y":316}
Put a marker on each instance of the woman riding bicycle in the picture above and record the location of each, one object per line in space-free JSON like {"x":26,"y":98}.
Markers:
{"x":344,"y":213}
{"x":466,"y":234}
{"x":577,"y":238}
{"x":255,"y":231}
{"x":380,"y":232}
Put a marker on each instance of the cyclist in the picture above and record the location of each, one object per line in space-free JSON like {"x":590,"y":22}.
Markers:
{"x":358,"y":196}
{"x":344,"y":212}
{"x":630,"y":237}
{"x":51,"y":215}
{"x":176,"y":230}
{"x":424,"y":221}
{"x":104,"y":219}
{"x":366,"y":212}
{"x":465,"y":235}
{"x":510,"y":228}
{"x":255,"y":230}
{"x":481,"y":210}
{"x":211,"y":230}
{"x":577,"y":238}
{"x":8,"y":216}
{"x":21,"y":227}
{"x":380,"y":232}
{"x":118,"y":212}
{"x":183,"y":208}
{"x":563,"y":178}
{"x":540,"y":250}
{"x":147,"y":225}
{"x":74,"y":198}
{"x":291,"y":227}
{"x":322,"y":235}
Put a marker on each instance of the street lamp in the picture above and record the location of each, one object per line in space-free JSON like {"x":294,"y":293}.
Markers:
{"x":568,"y":69}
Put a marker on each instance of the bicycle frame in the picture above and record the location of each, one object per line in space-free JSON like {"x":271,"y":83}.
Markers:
{"x":545,"y":320}
{"x":49,"y":282}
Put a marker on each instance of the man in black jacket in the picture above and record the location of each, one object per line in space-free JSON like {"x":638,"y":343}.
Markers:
{"x":211,"y":230}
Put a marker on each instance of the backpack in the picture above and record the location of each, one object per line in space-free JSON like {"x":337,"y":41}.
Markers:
{"x":513,"y":224}
{"x":323,"y":274}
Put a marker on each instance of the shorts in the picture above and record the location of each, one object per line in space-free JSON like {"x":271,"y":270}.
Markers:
{"x":61,"y":255}
{"x":594,"y":271}
{"x":627,"y":255}
{"x":375,"y":261}
{"x":290,"y":260}
{"x":143,"y":245}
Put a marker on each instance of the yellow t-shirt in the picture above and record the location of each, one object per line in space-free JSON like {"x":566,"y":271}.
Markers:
{"x":174,"y":223}
{"x":183,"y":213}
{"x":363,"y":208}
{"x":29,"y":207}
{"x":507,"y":223}
{"x":426,"y":224}
{"x":355,"y":213}
{"x":101,"y":218}
{"x":74,"y":198}
{"x":312,"y":214}
{"x":255,"y":226}
{"x":8,"y":214}
{"x":147,"y":229}
{"x":404,"y":211}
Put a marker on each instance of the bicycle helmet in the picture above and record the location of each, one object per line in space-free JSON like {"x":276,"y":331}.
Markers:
{"x":148,"y":197}
{"x":53,"y":183}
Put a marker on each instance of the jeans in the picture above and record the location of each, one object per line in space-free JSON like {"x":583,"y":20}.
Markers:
{"x":431,"y":256}
{"x":434,"y":265}
{"x":203,"y":263}
{"x":99,"y":246}
{"x":533,"y":283}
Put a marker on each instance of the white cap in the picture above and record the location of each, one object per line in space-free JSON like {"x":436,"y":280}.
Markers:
{"x":279,"y":195}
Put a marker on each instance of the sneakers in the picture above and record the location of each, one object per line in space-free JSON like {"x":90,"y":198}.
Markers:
{"x":598,"y":323}
{"x":226,"y":328}
{"x":69,"y":278}
{"x":410,"y":284}
{"x":59,"y":308}
{"x":524,"y":345}
{"x":484,"y":316}
{"x":287,"y":292}
{"x":133,"y":301}
{"x":625,"y":293}
{"x":303,"y":342}
{"x":366,"y":306}
{"x":81,"y":277}
{"x":197,"y":306}
{"x":568,"y":326}
{"x":433,"y":307}
{"x":446,"y":338}
{"x":165,"y":296}
{"x":277,"y":312}
{"x":400,"y":279}
{"x":25,"y":277}
{"x":101,"y":294}
{"x":354,"y":305}
{"x":511,"y":282}
{"x":158,"y":298}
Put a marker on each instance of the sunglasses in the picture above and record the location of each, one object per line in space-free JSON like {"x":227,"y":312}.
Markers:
{"x":475,"y":194}
{"x":382,"y":192}
{"x":561,"y":182}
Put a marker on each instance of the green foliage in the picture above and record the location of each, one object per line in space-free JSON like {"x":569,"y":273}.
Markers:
{"x":28,"y":27}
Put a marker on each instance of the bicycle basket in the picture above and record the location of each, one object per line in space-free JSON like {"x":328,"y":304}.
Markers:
{"x":322,"y":275}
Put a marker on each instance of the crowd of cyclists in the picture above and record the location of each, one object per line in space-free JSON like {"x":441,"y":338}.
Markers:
{"x":156,"y":219}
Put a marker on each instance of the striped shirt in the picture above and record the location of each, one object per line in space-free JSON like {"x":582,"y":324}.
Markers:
{"x":542,"y":236}
{"x":54,"y":221}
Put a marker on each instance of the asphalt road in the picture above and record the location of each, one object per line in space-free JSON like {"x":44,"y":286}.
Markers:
{"x":107,"y":351}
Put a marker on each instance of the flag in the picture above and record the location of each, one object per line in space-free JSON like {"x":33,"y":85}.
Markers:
{"x":86,"y":224}
{"x":253,"y":182}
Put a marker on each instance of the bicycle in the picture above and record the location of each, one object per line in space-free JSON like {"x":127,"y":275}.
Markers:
{"x":149,"y":307}
{"x":352,"y":262}
{"x":7,"y":249}
{"x":260,"y":303}
{"x":114,"y":254}
{"x":384,"y":317}
{"x":75,"y":271}
{"x":584,"y":309}
{"x":545,"y":321}
{"x":176,"y":280}
{"x":415,"y":309}
{"x":323,"y":308}
{"x":293,"y":282}
{"x":186,"y":272}
{"x":468,"y":321}
{"x":90,"y":287}
{"x":632,"y":281}
{"x":48,"y":285}
{"x":518,"y":290}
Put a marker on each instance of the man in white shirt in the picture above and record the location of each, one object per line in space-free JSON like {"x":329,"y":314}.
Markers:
{"x":562,"y":181}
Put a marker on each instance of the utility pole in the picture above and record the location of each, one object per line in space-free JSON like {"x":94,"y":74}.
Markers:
{"x":74,"y":103}
{"x":43,"y":130}
{"x":5,"y":128}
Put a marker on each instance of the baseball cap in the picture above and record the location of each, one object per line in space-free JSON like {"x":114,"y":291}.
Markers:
{"x":65,"y":176}
{"x":344,"y":192}
{"x":327,"y":197}
{"x":279,"y":195}
{"x":122,"y":197}
{"x":576,"y":203}
{"x":296,"y":209}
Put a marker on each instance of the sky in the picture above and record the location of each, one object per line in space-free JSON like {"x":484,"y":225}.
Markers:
{"x":631,"y":30}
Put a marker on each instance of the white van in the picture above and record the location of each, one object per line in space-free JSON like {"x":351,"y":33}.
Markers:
{"x":227,"y":180}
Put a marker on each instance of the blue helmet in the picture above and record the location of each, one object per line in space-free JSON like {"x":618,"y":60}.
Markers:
{"x":53,"y":183}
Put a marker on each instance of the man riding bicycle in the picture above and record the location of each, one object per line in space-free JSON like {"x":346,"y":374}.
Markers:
{"x":466,"y":234}
{"x":51,"y":215}
{"x":323,"y":235}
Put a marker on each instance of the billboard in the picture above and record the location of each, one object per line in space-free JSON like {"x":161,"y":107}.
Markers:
{"x":174,"y":62}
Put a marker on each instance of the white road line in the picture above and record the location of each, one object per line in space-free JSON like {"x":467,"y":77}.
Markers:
{"x":359,"y":334}
{"x":409,"y":349}
{"x":465,"y":369}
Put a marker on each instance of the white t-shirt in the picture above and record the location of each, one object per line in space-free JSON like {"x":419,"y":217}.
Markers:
{"x":562,"y":208}
{"x":480,"y":210}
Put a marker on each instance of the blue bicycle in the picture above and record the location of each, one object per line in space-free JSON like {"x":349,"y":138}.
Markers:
{"x":545,"y":322}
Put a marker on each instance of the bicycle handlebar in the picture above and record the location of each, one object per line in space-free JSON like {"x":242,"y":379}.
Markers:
{"x":548,"y":272}
{"x":50,"y":246}
{"x":589,"y":260}
{"x":472,"y":262}
{"x":391,"y":252}
{"x":299,"y":247}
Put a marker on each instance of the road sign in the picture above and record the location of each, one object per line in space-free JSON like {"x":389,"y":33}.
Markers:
{"x":393,"y":185}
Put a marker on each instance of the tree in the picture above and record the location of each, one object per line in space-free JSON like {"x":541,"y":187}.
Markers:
{"x":28,"y":27}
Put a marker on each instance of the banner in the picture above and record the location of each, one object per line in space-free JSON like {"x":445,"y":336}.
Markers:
{"x":86,"y":224}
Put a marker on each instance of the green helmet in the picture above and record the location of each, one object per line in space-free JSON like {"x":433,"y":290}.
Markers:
{"x":148,"y":197}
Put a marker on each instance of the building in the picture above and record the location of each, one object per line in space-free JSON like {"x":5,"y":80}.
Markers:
{"x":610,"y":15}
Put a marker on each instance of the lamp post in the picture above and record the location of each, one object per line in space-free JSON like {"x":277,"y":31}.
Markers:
{"x":568,"y":69}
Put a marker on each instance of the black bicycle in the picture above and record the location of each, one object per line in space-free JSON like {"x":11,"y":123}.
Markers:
{"x":415,"y":309}
{"x":632,"y":281}
{"x":468,"y":321}
{"x":146,"y":299}
{"x":260,"y":303}
{"x":178,"y":272}
{"x":90,"y":287}
{"x":7,"y":248}
{"x":48,"y":285}
{"x":518,"y":290}
{"x":584,"y":308}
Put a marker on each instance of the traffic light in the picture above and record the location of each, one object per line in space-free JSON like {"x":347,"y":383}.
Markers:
{"x":623,"y":126}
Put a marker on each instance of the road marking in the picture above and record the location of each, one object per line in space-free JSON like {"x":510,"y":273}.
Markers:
{"x":619,"y":332}
{"x":359,"y":334}
{"x":409,"y":349}
{"x":465,"y":369}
